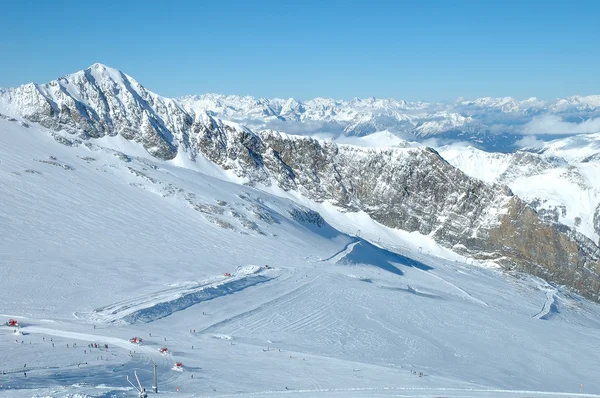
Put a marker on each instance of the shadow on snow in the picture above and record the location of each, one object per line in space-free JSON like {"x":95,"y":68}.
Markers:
{"x":366,"y":253}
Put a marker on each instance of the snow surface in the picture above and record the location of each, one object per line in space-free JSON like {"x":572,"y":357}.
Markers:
{"x":102,"y":244}
{"x":380,"y":139}
{"x":486,"y":166}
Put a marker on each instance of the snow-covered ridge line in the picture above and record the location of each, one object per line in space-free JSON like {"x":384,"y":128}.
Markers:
{"x":486,"y":122}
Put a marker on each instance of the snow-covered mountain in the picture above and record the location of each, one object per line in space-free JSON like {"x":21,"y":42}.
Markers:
{"x":413,"y":189}
{"x":102,"y":101}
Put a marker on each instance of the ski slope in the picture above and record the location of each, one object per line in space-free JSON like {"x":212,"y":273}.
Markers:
{"x":101,"y":243}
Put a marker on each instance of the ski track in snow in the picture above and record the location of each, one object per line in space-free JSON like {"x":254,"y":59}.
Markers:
{"x":340,"y":254}
{"x":466,"y":295}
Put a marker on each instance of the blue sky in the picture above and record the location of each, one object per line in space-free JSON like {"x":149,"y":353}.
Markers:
{"x":414,"y":50}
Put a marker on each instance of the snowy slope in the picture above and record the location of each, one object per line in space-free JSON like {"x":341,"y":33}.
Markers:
{"x":579,"y":148}
{"x":380,"y":139}
{"x":487,"y":166}
{"x":102,"y":244}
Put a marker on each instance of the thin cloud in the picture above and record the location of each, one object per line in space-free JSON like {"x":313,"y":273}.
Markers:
{"x":555,"y":125}
{"x":529,"y":141}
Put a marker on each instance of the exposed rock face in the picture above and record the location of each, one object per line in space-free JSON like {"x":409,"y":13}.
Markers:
{"x":413,"y":189}
{"x":597,"y":220}
{"x":525,"y":164}
{"x":552,"y":251}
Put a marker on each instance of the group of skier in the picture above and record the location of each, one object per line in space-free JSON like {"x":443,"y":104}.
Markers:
{"x":96,"y":345}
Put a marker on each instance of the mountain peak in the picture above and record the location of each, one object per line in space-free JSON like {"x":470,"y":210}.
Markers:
{"x":102,"y":68}
{"x":99,"y":65}
{"x":101,"y":72}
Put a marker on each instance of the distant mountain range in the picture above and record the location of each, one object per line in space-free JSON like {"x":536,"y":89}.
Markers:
{"x":489,"y":123}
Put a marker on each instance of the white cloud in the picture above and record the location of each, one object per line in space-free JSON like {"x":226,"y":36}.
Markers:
{"x":529,"y":141}
{"x":553,"y":124}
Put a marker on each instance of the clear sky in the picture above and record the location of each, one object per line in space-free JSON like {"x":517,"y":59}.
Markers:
{"x":414,"y":50}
